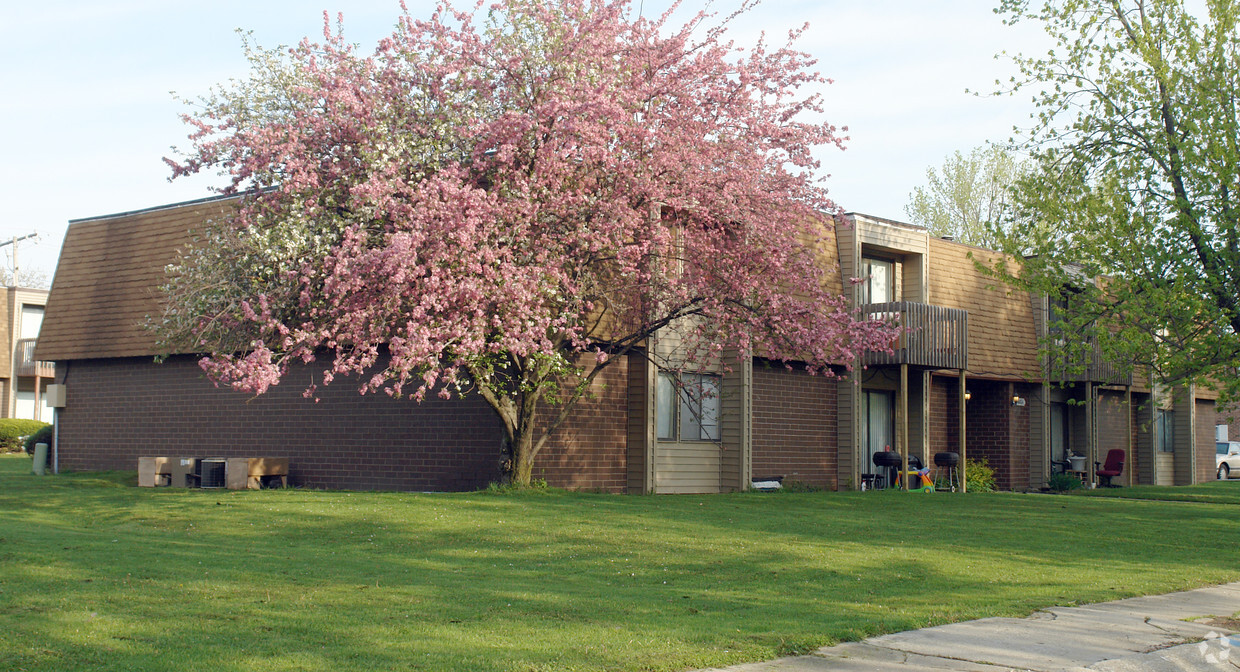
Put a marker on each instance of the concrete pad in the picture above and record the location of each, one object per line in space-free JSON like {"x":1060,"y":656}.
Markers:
{"x":1074,"y":637}
{"x":1146,"y":634}
{"x":1053,"y":643}
{"x":1122,"y":623}
{"x":1211,"y":655}
{"x":861,"y":657}
{"x":1213,"y":601}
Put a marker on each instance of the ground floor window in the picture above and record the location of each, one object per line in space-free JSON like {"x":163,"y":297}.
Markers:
{"x":687,"y":406}
{"x":1164,"y":431}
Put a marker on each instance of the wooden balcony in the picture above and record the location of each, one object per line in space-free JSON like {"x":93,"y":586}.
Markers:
{"x":1084,"y":364}
{"x":932,"y":337}
{"x":27,"y":365}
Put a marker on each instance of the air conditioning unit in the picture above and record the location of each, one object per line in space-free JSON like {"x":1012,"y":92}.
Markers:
{"x":211,"y":473}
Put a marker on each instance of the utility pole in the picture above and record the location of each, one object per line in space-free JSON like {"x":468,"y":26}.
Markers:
{"x":14,"y":241}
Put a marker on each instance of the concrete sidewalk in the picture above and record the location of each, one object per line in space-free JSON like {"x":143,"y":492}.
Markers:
{"x":1160,"y":633}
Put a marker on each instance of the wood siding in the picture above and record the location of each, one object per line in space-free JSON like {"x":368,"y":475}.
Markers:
{"x":735,"y":421}
{"x":640,"y":427}
{"x":1039,"y":436}
{"x":687,"y":468}
{"x":849,"y":416}
{"x":1185,"y":434}
{"x":1002,"y":335}
{"x":1204,"y":452}
{"x":1143,"y":458}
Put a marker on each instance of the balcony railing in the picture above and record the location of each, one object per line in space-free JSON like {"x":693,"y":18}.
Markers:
{"x":930,"y":336}
{"x":27,"y":365}
{"x":1085,"y":363}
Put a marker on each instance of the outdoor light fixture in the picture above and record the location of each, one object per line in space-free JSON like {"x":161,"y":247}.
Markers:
{"x":968,"y":395}
{"x":1018,"y":400}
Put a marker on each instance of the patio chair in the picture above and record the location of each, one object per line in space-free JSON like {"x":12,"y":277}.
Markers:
{"x":1114,"y":467}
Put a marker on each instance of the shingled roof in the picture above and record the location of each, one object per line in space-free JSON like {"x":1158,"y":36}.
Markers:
{"x":107,"y":281}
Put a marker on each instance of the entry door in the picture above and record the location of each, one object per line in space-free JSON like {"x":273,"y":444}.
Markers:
{"x":1059,"y":432}
{"x":878,"y":427}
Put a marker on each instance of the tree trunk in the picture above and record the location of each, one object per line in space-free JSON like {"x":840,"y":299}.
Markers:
{"x":522,"y":456}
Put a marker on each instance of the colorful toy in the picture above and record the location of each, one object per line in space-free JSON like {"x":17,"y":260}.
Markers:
{"x":924,"y":474}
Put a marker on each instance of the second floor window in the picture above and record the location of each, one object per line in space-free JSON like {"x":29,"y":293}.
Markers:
{"x":688,"y":406}
{"x":879,"y":280}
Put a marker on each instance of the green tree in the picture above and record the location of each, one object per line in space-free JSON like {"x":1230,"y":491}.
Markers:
{"x":967,"y":197}
{"x":1136,"y":146}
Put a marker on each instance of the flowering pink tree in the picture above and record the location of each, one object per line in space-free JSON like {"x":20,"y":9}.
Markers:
{"x":508,"y":208}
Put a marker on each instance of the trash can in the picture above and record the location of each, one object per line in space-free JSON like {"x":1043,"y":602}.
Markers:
{"x":40,"y":460}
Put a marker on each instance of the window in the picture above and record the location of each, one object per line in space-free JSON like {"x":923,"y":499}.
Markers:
{"x":687,"y":406}
{"x":878,"y":277}
{"x":1164,"y":431}
{"x":1056,"y":318}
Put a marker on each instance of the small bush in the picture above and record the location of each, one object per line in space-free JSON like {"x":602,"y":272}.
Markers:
{"x":979,"y":477}
{"x":44,"y":435}
{"x":12,"y":430}
{"x":536,"y":485}
{"x":793,"y":485}
{"x":1064,"y":483}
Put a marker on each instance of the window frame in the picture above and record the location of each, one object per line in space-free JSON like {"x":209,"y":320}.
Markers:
{"x":867,"y":276}
{"x":676,"y":422}
{"x":1164,"y":431}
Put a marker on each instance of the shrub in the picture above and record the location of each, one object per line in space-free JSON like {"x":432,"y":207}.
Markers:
{"x":13,"y":429}
{"x":44,"y":435}
{"x":979,"y":477}
{"x":793,"y":485}
{"x":1064,"y":483}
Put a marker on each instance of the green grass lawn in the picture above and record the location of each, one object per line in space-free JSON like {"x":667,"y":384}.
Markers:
{"x":97,"y":575}
{"x":1212,"y":492}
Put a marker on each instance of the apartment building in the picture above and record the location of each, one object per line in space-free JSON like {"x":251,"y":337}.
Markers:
{"x":966,"y":376}
{"x":23,"y":379}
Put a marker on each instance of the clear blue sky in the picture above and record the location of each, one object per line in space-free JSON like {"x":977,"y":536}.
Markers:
{"x":87,"y":115}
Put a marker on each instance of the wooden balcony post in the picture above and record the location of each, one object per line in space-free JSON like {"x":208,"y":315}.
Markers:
{"x":964,"y":482}
{"x":902,"y":426}
{"x":1091,"y":430}
{"x":1128,"y":447}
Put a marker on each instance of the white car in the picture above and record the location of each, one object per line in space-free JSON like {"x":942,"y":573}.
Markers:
{"x":1228,"y":459}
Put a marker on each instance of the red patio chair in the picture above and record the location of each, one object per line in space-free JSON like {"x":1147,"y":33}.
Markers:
{"x":1114,"y":467}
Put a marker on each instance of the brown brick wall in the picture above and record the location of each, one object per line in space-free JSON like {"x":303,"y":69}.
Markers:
{"x":987,"y":429}
{"x":1206,"y":419}
{"x":120,"y":409}
{"x":1018,"y":438}
{"x":794,"y":425}
{"x":588,"y":452}
{"x":994,"y":428}
{"x":944,"y":415}
{"x":1113,"y":418}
